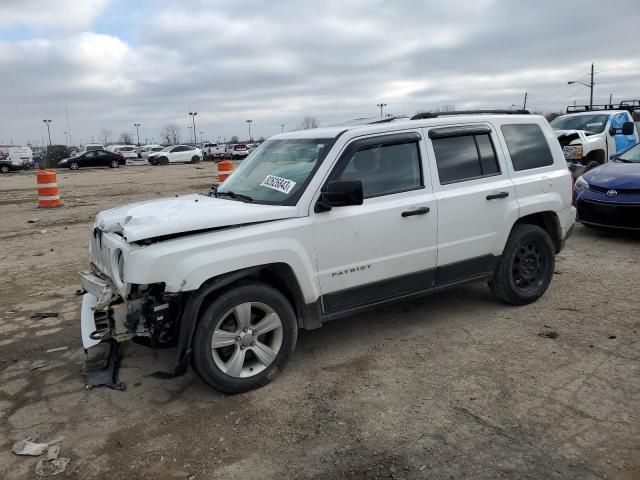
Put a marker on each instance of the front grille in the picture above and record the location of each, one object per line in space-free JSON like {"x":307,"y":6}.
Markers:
{"x":621,"y":215}
{"x":621,"y":191}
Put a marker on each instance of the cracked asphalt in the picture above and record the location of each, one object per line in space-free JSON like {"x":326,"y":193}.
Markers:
{"x":456,"y":385}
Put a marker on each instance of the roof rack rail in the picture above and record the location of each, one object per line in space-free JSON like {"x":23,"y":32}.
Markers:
{"x":628,"y":105}
{"x":422,"y":115}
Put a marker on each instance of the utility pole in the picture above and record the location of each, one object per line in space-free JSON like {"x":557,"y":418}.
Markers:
{"x":524,"y":105}
{"x":381,"y":105}
{"x":193,"y":119}
{"x":249,"y":123}
{"x":137,"y":125}
{"x":590,"y":85}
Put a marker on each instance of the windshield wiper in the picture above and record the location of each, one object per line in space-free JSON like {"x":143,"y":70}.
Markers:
{"x":235,"y":196}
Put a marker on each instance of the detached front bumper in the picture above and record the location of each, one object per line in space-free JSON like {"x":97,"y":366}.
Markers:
{"x":103,"y":313}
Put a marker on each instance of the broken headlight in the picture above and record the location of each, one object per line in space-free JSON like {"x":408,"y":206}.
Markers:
{"x":572,"y":152}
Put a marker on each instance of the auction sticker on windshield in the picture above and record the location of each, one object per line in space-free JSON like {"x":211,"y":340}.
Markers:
{"x":278,"y":183}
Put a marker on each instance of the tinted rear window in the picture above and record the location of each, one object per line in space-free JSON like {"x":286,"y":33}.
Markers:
{"x":527,"y":146}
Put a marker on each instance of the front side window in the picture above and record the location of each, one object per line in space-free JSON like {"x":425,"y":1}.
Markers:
{"x":278,"y":171}
{"x":527,"y":146}
{"x":465,"y":157}
{"x":385,"y":169}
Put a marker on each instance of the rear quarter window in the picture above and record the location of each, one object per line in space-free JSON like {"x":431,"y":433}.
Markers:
{"x":527,"y":146}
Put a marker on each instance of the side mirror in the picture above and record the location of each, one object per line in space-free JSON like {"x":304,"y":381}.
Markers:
{"x":340,"y":193}
{"x":612,"y":131}
{"x":628,"y":128}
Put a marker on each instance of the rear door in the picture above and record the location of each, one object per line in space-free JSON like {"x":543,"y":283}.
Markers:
{"x":476,"y":200}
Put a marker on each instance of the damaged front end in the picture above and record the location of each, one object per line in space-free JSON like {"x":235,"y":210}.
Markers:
{"x":114,"y":311}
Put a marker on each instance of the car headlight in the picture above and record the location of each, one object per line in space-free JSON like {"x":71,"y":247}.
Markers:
{"x":581,"y":184}
{"x":572,"y":152}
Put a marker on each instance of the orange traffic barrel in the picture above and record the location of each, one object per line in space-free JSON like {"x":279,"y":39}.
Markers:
{"x":225,"y":168}
{"x":48,"y":193}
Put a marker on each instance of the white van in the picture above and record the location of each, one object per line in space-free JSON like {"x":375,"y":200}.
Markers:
{"x":20,"y":155}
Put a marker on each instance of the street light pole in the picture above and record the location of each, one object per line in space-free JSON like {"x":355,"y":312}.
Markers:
{"x":249,"y":123}
{"x":47,"y":122}
{"x":282,"y":128}
{"x":193,"y":119}
{"x":190,"y":133}
{"x":137,"y":125}
{"x":590,"y":85}
{"x":381,"y":105}
{"x":524,"y":105}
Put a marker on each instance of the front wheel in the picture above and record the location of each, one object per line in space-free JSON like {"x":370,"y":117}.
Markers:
{"x":74,"y":166}
{"x":195,"y":159}
{"x":244,"y":338}
{"x":4,"y":169}
{"x":526,"y":267}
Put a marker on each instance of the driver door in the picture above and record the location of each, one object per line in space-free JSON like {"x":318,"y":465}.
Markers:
{"x":386,"y":247}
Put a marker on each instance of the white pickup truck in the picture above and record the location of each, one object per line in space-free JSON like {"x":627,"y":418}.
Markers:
{"x":323,"y":223}
{"x":590,"y":137}
{"x":213,"y":151}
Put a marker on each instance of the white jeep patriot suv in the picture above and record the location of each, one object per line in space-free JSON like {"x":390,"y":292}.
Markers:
{"x":322,"y":223}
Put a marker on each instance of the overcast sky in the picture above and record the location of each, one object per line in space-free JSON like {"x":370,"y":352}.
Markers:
{"x":113,"y":63}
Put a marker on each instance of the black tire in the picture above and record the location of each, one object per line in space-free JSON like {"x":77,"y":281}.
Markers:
{"x":195,"y":159}
{"x":4,"y":168}
{"x":526,"y":267}
{"x":114,"y":164}
{"x":203,"y":360}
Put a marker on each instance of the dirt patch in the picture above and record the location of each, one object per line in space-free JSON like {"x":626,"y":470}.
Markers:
{"x":452,"y":386}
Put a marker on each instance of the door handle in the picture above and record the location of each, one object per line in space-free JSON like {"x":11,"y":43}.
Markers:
{"x":495,"y":196}
{"x":417,"y":211}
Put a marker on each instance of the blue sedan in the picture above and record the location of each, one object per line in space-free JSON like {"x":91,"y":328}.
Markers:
{"x":609,"y":195}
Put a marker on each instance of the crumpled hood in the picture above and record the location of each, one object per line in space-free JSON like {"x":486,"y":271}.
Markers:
{"x":616,"y":175}
{"x":563,"y":133}
{"x":187,"y":213}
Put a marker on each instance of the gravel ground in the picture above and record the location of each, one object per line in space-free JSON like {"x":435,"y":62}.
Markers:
{"x":454,"y":386}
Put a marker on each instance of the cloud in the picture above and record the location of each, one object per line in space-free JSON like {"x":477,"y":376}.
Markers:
{"x":275,"y":62}
{"x":74,"y":14}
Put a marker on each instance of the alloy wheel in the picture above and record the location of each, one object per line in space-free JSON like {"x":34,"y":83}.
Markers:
{"x":246,"y":339}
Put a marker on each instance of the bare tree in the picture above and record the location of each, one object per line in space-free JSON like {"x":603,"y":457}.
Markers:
{"x":106,"y":135}
{"x":171,"y":133}
{"x":125,"y":138}
{"x":309,"y":122}
{"x":234,"y":139}
{"x":552,"y":115}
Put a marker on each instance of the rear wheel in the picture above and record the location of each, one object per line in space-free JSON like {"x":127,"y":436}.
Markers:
{"x":4,"y":168}
{"x":526,"y":266}
{"x":244,"y":338}
{"x":114,"y":164}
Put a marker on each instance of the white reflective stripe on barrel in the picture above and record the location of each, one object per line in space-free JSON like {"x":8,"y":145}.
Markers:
{"x":47,"y":185}
{"x":48,"y":197}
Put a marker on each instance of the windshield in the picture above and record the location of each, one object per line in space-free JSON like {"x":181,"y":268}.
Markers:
{"x":278,"y":171}
{"x":166,"y":149}
{"x":632,"y":155}
{"x":589,"y":123}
